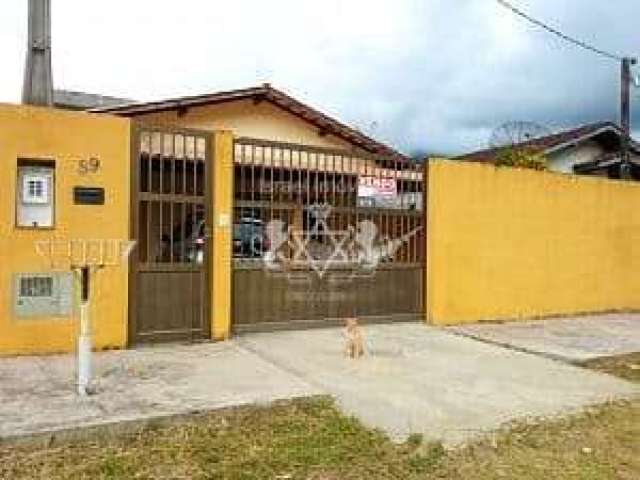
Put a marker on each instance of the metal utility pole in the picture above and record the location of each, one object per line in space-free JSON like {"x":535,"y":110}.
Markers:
{"x":38,"y":79}
{"x":627,"y":62}
{"x":625,"y":110}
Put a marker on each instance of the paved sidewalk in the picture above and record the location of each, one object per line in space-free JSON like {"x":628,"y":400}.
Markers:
{"x":415,"y":380}
{"x":38,"y":394}
{"x":574,"y":339}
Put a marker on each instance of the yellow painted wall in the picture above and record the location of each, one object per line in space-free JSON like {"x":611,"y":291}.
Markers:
{"x":222,"y":221}
{"x":509,"y":243}
{"x":246,"y":119}
{"x":65,"y":137}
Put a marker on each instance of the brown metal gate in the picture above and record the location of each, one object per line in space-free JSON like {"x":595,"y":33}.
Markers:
{"x":306,"y":237}
{"x":170,"y":221}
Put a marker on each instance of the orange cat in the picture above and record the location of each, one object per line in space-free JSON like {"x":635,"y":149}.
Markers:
{"x":355,"y":339}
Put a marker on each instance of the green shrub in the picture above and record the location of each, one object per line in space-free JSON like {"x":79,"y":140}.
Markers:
{"x":521,"y":158}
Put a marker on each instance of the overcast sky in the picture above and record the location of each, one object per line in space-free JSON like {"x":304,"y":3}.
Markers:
{"x":424,"y":75}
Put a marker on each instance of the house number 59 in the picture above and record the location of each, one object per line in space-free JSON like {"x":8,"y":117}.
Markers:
{"x":91,"y":165}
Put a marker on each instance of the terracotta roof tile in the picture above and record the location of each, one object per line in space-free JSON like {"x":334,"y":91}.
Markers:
{"x":549,"y":142}
{"x":266,"y":92}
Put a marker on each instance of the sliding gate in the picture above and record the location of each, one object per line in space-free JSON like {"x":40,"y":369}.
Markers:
{"x":320,"y":235}
{"x":170,"y":223}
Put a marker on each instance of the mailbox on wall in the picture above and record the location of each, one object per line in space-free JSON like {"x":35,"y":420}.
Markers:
{"x":88,"y":196}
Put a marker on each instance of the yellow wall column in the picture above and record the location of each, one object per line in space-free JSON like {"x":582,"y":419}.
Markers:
{"x":68,"y":140}
{"x":221,"y":220}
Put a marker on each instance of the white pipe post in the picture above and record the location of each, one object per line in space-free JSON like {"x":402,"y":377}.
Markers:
{"x":85,"y":344}
{"x":85,"y":340}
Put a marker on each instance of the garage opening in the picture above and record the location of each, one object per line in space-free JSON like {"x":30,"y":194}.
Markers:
{"x":320,"y":235}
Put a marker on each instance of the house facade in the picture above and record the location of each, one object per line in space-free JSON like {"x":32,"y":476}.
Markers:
{"x":593,"y":149}
{"x":249,"y":211}
{"x":290,"y":160}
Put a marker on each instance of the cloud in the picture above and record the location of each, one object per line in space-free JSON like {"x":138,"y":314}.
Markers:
{"x":433,"y":76}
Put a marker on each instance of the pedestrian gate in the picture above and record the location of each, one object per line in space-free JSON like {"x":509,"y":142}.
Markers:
{"x":170,"y":222}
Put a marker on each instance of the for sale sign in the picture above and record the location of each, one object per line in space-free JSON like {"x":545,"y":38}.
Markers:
{"x":376,"y":187}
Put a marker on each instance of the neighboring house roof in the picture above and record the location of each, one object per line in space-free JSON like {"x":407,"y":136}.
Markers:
{"x":326,"y":125}
{"x":557,"y":141}
{"x":84,"y":101}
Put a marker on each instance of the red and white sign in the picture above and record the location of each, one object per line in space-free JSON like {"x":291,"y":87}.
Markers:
{"x":377,"y":187}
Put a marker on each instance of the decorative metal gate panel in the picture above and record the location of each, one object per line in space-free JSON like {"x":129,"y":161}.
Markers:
{"x":320,"y":235}
{"x":170,"y":222}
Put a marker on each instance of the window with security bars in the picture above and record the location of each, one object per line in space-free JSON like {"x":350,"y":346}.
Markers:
{"x":36,"y":287}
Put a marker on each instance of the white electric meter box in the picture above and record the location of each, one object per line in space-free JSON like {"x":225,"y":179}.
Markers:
{"x":35,"y":202}
{"x":43,"y":294}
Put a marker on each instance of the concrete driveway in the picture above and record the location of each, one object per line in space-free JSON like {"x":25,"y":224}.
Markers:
{"x":415,"y":380}
{"x":574,"y":339}
{"x":425,"y":380}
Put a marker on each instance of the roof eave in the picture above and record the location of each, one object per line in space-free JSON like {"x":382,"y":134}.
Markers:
{"x":581,"y":138}
{"x":267,"y":93}
{"x":129,"y":110}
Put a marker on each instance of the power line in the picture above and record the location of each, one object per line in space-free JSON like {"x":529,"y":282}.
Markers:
{"x":558,"y":33}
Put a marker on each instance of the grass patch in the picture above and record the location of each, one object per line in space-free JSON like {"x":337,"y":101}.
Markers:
{"x":311,"y":440}
{"x":598,"y":444}
{"x":294,"y":440}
